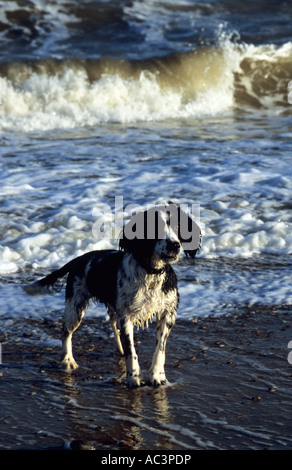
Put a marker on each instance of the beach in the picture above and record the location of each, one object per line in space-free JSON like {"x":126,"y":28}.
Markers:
{"x":229,"y":388}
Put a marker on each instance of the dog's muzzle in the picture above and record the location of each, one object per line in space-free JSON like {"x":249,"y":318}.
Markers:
{"x":173,"y":249}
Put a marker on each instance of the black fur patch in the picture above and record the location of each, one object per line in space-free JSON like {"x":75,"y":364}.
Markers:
{"x":170,"y":282}
{"x":102,"y":276}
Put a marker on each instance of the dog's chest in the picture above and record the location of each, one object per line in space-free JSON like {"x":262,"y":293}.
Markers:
{"x":141,"y":296}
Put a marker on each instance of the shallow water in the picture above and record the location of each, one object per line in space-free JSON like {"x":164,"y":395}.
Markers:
{"x":229,"y":388}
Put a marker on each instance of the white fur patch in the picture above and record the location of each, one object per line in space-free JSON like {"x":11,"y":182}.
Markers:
{"x":140,"y":296}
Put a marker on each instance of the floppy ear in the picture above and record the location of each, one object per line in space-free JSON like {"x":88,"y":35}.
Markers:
{"x":134,"y":240}
{"x":132,"y":232}
{"x":189,"y":233}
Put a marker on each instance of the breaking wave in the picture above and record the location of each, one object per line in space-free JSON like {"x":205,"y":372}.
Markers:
{"x":52,"y":93}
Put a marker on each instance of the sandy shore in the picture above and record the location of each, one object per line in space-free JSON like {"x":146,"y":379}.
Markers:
{"x":230,"y":388}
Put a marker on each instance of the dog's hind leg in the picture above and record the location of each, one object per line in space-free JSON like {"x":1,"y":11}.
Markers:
{"x":68,"y":362}
{"x":157,"y":373}
{"x":76,"y":302}
{"x":72,"y":321}
{"x":132,"y":364}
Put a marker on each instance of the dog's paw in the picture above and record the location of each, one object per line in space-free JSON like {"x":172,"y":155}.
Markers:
{"x":156,"y":383}
{"x":133,"y":382}
{"x":69,"y":363}
{"x":157,"y":379}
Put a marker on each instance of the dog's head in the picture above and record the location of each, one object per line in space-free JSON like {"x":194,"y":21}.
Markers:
{"x":157,"y":236}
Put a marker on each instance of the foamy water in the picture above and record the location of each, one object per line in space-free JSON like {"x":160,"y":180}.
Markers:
{"x":209,"y":82}
{"x":244,"y":213}
{"x":165,"y":115}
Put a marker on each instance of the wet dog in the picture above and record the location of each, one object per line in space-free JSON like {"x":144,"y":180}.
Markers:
{"x":136,"y":283}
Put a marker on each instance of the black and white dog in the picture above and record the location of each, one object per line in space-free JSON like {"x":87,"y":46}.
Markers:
{"x":135,"y":283}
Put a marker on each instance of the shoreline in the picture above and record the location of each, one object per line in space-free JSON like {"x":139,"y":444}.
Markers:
{"x":229,"y":388}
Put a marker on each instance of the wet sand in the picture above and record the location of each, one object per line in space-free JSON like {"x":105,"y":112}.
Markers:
{"x":230,"y":387}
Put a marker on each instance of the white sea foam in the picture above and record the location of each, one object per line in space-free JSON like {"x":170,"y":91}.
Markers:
{"x":44,"y":103}
{"x":244,"y":211}
{"x":68,"y":100}
{"x":232,"y":230}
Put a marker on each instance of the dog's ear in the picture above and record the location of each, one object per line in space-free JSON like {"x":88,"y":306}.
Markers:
{"x":188,"y":231}
{"x":189,"y":234}
{"x":132,"y":232}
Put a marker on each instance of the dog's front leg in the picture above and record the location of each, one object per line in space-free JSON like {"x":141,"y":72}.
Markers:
{"x":157,"y":373}
{"x":113,"y":320}
{"x":132,"y":364}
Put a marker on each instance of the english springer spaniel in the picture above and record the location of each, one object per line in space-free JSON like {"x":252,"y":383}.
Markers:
{"x":135,"y":283}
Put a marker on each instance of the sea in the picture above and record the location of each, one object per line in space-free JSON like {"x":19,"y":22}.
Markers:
{"x":143,"y":102}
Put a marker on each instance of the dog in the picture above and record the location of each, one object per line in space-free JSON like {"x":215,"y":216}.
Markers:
{"x":135,"y":283}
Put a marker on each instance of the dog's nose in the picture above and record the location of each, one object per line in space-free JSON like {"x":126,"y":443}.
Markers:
{"x":173,"y":246}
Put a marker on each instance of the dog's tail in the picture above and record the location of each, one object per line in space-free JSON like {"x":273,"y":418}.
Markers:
{"x":49,"y":283}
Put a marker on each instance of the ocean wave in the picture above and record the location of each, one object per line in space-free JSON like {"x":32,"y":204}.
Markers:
{"x":51,"y":93}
